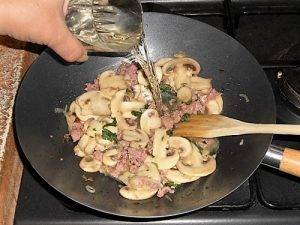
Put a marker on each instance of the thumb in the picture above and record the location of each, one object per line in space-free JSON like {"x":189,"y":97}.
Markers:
{"x":68,"y":46}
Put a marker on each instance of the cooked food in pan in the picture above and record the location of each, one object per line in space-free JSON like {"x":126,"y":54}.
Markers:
{"x":120,"y":133}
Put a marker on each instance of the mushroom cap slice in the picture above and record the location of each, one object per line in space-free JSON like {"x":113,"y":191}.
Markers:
{"x":137,"y":138}
{"x":200,"y":83}
{"x":107,"y":157}
{"x":160,"y":142}
{"x":150,"y":120}
{"x":181,"y":143}
{"x":124,"y":177}
{"x":215,"y":106}
{"x":179,"y":178}
{"x":195,"y":158}
{"x":184,"y":94}
{"x":89,"y":164}
{"x":134,"y":194}
{"x":200,"y":170}
{"x":149,"y":170}
{"x":167,"y":162}
{"x":169,"y":66}
{"x":116,"y":103}
{"x":108,"y":79}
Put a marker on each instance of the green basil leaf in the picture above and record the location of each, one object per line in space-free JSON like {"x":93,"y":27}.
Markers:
{"x":108,"y":135}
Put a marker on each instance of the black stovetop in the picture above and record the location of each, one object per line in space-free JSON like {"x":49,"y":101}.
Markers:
{"x":270,"y":30}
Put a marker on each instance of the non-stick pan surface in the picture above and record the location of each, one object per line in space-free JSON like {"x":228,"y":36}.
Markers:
{"x":51,"y":84}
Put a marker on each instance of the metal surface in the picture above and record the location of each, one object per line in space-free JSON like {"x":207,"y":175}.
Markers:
{"x":273,"y":156}
{"x":50,"y":83}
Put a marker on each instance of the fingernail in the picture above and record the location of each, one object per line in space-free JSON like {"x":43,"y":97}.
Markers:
{"x":83,"y":58}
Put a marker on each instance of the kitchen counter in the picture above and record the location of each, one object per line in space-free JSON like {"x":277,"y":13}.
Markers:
{"x":14,"y":61}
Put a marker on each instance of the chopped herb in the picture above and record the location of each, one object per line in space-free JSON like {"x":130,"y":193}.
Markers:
{"x":167,"y":92}
{"x":185,"y":117}
{"x":108,"y":135}
{"x":165,"y":88}
{"x":94,"y":129}
{"x":113,"y":123}
{"x":170,"y":132}
{"x":136,"y":113}
{"x":172,"y":184}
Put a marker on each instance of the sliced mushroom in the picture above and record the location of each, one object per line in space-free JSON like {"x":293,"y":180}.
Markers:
{"x":70,"y":118}
{"x":116,"y":103}
{"x":93,"y":127}
{"x":160,"y":143}
{"x":195,"y":158}
{"x":113,"y":129}
{"x":116,"y":111}
{"x":150,"y":120}
{"x":103,"y":144}
{"x":124,"y":177}
{"x":131,"y":106}
{"x":108,"y":157}
{"x":215,"y":106}
{"x":189,"y":63}
{"x":74,"y":107}
{"x":142,"y":93}
{"x":137,"y":138}
{"x":93,"y":103}
{"x":109,"y":79}
{"x":108,"y":93}
{"x":180,"y":55}
{"x":200,"y":83}
{"x":179,"y":178}
{"x":141,"y":78}
{"x":162,"y":61}
{"x":89,"y":164}
{"x":123,"y":125}
{"x":134,"y":194}
{"x":167,"y":162}
{"x":78,"y":151}
{"x":85,"y":145}
{"x":181,"y":76}
{"x":184,"y":94}
{"x":149,"y":170}
{"x":182,"y":144}
{"x":201,"y":170}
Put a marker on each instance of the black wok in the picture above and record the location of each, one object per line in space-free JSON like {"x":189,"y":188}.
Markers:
{"x":50,"y":83}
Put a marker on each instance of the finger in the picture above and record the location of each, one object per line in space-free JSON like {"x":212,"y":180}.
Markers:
{"x":68,"y":46}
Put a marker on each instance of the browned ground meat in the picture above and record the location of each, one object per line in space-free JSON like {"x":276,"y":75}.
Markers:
{"x":98,"y":155}
{"x":196,"y":106}
{"x":146,"y":182}
{"x":164,"y":190}
{"x":136,"y":158}
{"x":92,"y":86}
{"x":129,"y":70}
{"x":76,"y":131}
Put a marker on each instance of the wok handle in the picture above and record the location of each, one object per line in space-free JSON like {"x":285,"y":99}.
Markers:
{"x":284,"y":159}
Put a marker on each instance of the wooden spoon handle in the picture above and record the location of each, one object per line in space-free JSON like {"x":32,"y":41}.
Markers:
{"x":271,"y":128}
{"x":285,"y":159}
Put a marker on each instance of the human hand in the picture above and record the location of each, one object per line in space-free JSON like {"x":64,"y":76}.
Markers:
{"x":41,"y":22}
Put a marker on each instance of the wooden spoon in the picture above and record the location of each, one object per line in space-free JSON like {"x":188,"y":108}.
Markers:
{"x":211,"y":126}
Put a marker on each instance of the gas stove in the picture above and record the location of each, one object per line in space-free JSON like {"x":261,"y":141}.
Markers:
{"x":270,"y":30}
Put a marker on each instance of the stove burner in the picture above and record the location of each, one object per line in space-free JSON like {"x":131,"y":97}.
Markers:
{"x":289,"y":85}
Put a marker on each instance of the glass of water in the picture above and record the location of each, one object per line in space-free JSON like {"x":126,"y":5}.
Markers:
{"x":106,"y":25}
